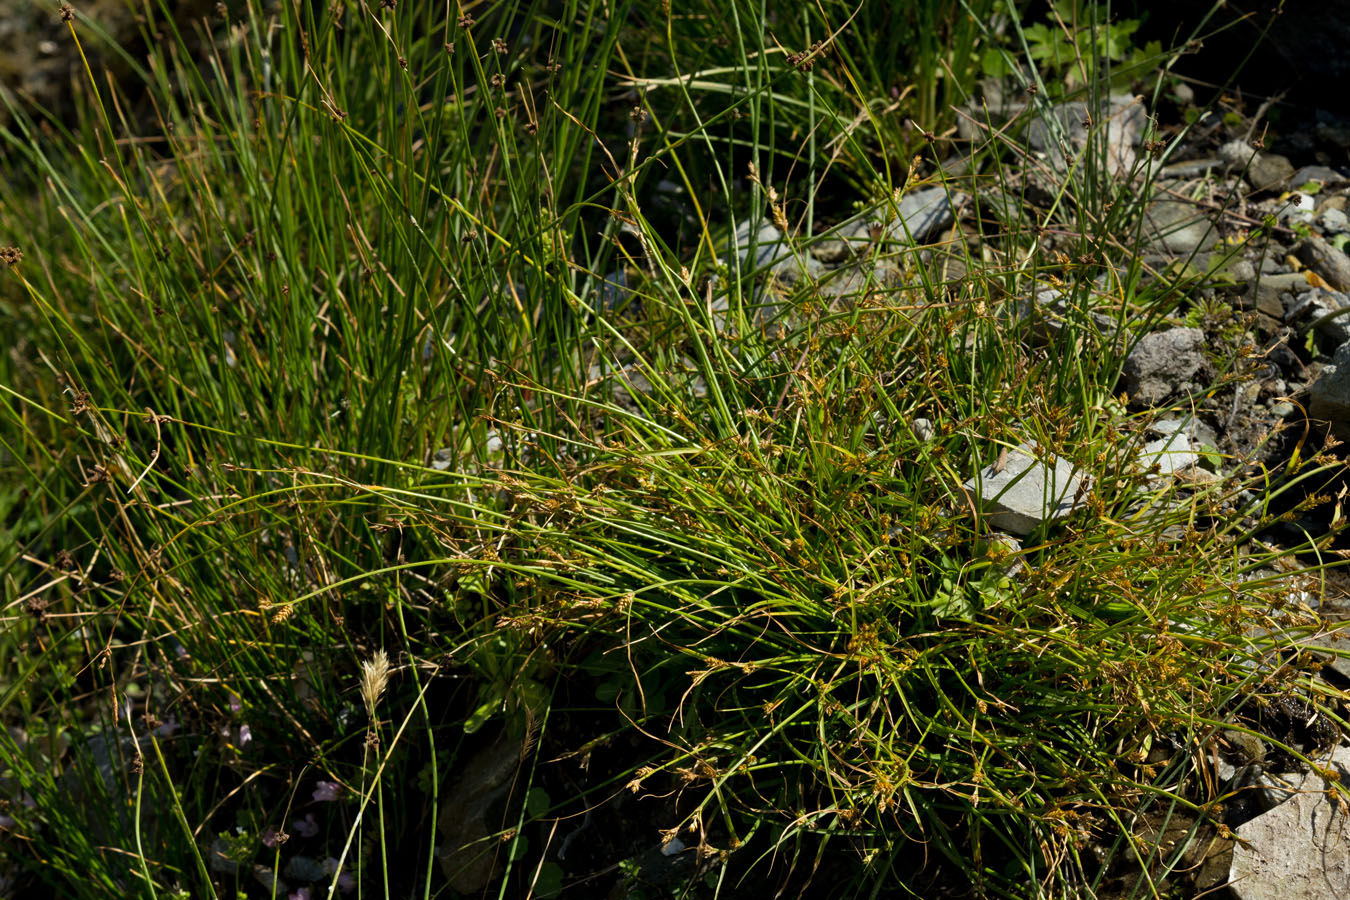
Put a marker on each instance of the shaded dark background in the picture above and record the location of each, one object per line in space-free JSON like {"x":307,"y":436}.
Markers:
{"x":1300,"y":47}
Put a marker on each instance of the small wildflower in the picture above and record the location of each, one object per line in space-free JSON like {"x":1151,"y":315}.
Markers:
{"x":245,"y":736}
{"x":306,"y":827}
{"x":326,"y":791}
{"x":301,"y":894}
{"x":345,"y":882}
{"x":236,"y":705}
{"x":273,"y":837}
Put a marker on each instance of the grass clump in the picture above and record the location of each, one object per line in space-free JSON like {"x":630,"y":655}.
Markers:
{"x":411,"y":467}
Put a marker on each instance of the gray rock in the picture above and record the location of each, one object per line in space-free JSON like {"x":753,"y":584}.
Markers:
{"x":1263,"y":171}
{"x":1268,"y":293}
{"x":1240,"y":271}
{"x":1177,"y":227}
{"x":218,"y":857}
{"x":1024,"y":493}
{"x":1162,"y":363}
{"x":1300,"y":850}
{"x":1317,"y":309}
{"x":1049,"y":311}
{"x":757,"y":246}
{"x":1297,"y":213}
{"x":1329,"y":399}
{"x":1335,"y":221}
{"x":922,"y":214}
{"x":1339,"y":640}
{"x":475,"y":809}
{"x":1237,"y":154}
{"x":1191,"y":168}
{"x":1197,"y":432}
{"x":923,"y":429}
{"x":1171,"y":454}
{"x":1315,"y":175}
{"x":796,"y":268}
{"x":629,"y":388}
{"x":851,"y":282}
{"x":305,"y":868}
{"x":1325,"y":260}
{"x":769,"y":250}
{"x":917,"y":217}
{"x":831,"y":251}
{"x":616,"y":293}
{"x":1065,"y":127}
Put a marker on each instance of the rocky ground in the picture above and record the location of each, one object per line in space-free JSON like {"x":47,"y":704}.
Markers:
{"x":1251,"y":367}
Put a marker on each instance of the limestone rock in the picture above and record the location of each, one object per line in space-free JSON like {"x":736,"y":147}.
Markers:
{"x":1263,"y":171}
{"x":1322,"y":175}
{"x":918,"y":216}
{"x":1327,"y":261}
{"x":474,"y":811}
{"x":1171,"y":454}
{"x":1162,"y":364}
{"x":1178,"y":228}
{"x":1198,"y":434}
{"x":1334,"y":221}
{"x":1300,"y":850}
{"x":922,"y":214}
{"x":1268,"y":293}
{"x":1324,"y":311}
{"x":1330,"y":394}
{"x":1024,"y":493}
{"x":765,"y":248}
{"x":1066,"y":127}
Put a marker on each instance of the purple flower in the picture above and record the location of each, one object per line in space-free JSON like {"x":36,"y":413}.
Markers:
{"x":345,"y":882}
{"x":270,"y":837}
{"x":245,"y":735}
{"x":326,"y":791}
{"x":302,"y":894}
{"x":306,"y":827}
